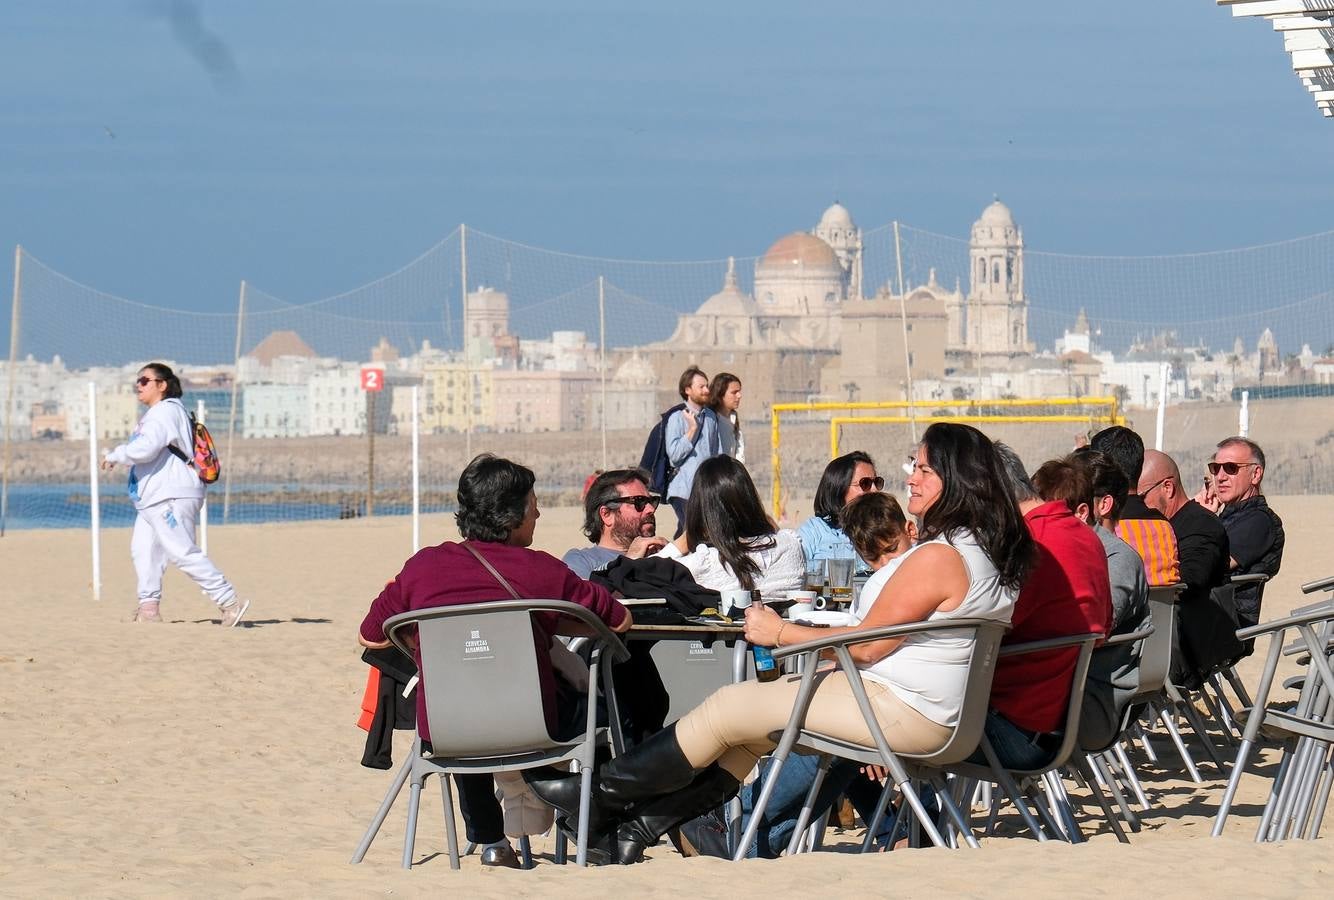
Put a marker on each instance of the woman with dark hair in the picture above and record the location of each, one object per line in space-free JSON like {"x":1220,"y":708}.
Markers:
{"x":724,"y":400}
{"x":729,"y":541}
{"x":496,"y":517}
{"x":973,"y":554}
{"x":168,"y":494}
{"x":845,"y":479}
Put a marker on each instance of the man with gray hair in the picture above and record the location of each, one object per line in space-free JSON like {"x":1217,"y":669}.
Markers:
{"x":1254,"y":531}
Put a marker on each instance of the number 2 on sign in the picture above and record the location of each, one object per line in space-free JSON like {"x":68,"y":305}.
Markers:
{"x":372,"y":379}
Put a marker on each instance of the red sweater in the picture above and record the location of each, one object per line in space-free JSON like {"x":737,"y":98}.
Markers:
{"x":448,"y":575}
{"x":1067,"y":593}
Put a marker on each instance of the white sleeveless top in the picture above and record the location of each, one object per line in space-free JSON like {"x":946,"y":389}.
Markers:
{"x":929,"y":671}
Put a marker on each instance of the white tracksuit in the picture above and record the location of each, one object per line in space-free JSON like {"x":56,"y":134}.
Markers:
{"x":168,"y":495}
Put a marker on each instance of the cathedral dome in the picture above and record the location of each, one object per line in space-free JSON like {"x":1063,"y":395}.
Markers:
{"x":635,"y":370}
{"x":800,"y":249}
{"x":836,"y":217}
{"x":997,"y":215}
{"x":731,"y":300}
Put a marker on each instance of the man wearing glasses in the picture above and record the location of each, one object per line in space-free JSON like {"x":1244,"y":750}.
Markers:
{"x":620,"y":520}
{"x":1205,"y":628}
{"x":1255,"y":532}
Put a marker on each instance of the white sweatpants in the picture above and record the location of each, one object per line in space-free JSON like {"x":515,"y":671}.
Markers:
{"x":165,"y":533}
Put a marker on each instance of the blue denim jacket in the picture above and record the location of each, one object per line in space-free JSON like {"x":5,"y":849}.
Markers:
{"x":821,"y":541}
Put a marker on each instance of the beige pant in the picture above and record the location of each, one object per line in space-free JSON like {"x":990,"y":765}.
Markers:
{"x":733,"y":726}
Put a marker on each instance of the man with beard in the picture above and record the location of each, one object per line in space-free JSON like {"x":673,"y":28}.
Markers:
{"x":620,"y":520}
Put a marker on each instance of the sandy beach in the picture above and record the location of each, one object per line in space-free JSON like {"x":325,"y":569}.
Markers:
{"x":185,"y":760}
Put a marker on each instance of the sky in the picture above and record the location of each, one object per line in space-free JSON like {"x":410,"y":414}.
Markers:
{"x":164,"y":150}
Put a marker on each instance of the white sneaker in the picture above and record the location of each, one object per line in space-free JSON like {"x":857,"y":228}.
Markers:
{"x":147,"y":612}
{"x":232,"y":613}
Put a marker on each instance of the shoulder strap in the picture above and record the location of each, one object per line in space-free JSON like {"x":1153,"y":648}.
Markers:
{"x":492,"y":569}
{"x":187,"y":458}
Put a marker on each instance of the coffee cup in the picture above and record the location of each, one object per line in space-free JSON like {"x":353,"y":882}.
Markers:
{"x":802,"y":602}
{"x":734,"y":602}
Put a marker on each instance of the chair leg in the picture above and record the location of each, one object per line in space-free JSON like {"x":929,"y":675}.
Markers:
{"x":1322,"y":796}
{"x":1131,"y":778}
{"x":804,"y":818}
{"x":400,"y":779}
{"x":1042,"y":805}
{"x":1098,"y":762}
{"x":1180,"y":745}
{"x":909,"y":794}
{"x":526,"y":851}
{"x":1197,"y":725}
{"x":451,"y":830}
{"x":945,"y":794}
{"x":410,"y":836}
{"x":878,"y":816}
{"x":1216,"y":711}
{"x":1143,"y":736}
{"x":585,"y":804}
{"x":1238,"y":686}
{"x":1230,"y":792}
{"x":1061,"y":800}
{"x":1090,"y":778}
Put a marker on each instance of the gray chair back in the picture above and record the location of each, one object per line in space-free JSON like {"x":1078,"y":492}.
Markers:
{"x":1155,"y":659}
{"x":479,"y":672}
{"x":692,"y":670}
{"x":973,"y":714}
{"x":1078,"y":677}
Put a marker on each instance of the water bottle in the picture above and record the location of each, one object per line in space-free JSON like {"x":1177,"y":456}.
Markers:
{"x":766,"y":667}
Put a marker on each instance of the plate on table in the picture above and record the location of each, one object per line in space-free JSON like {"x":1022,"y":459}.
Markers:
{"x":824,"y":618}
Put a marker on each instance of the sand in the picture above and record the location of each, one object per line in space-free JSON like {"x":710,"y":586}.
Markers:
{"x":185,"y":760}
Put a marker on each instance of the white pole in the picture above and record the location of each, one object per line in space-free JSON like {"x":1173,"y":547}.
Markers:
{"x":903,"y":322}
{"x":203,"y":509}
{"x":602,"y":364}
{"x":11,"y":375}
{"x":94,"y":494}
{"x":467,"y":360}
{"x":1162,"y":404}
{"x":1244,"y":417}
{"x":231,"y":417}
{"x":416,"y":476}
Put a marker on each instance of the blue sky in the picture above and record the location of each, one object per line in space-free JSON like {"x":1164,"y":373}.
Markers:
{"x":310,"y":147}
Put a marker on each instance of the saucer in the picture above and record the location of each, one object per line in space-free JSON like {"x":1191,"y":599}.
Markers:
{"x":826,"y":618}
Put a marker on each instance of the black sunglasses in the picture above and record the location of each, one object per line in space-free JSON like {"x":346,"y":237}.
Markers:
{"x":144,"y":379}
{"x":639,"y":501}
{"x":1230,"y":468}
{"x":870,"y":484}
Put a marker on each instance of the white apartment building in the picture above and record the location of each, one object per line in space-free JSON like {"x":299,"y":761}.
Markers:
{"x":276,"y":410}
{"x":337,"y":402}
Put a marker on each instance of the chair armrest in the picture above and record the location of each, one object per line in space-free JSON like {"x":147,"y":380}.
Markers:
{"x":1073,"y":640}
{"x":1130,"y":638}
{"x":1319,"y":584}
{"x":1257,"y":578}
{"x":1324,"y":611}
{"x":862,"y":635}
{"x":604,"y":636}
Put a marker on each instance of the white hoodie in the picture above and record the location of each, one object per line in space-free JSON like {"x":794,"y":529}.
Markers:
{"x":157,"y":474}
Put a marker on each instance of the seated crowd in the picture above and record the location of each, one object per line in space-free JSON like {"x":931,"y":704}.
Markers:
{"x":1071,"y":550}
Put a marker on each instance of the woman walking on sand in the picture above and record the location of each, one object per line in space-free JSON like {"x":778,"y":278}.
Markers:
{"x":167,"y":493}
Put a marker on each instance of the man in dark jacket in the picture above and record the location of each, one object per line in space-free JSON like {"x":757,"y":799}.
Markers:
{"x":1254,"y":531}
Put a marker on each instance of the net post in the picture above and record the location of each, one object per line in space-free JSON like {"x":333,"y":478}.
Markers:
{"x":467,"y":361}
{"x":200,"y":412}
{"x":602,"y":362}
{"x":903,"y":323}
{"x":773,"y":461}
{"x":1162,"y":405}
{"x":1244,"y":415}
{"x":416,"y":473}
{"x":231,"y":416}
{"x":10,"y":411}
{"x":94,"y":494}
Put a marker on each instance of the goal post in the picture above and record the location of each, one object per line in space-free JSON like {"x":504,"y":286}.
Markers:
{"x":1088,"y":411}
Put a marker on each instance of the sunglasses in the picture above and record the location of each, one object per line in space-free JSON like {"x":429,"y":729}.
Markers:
{"x":144,"y":379}
{"x":1230,"y":468}
{"x":870,"y":484}
{"x":640,"y":502}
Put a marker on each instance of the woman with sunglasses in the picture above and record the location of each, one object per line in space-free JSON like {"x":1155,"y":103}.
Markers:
{"x":168,"y":494}
{"x":730,"y":542}
{"x":845,"y":479}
